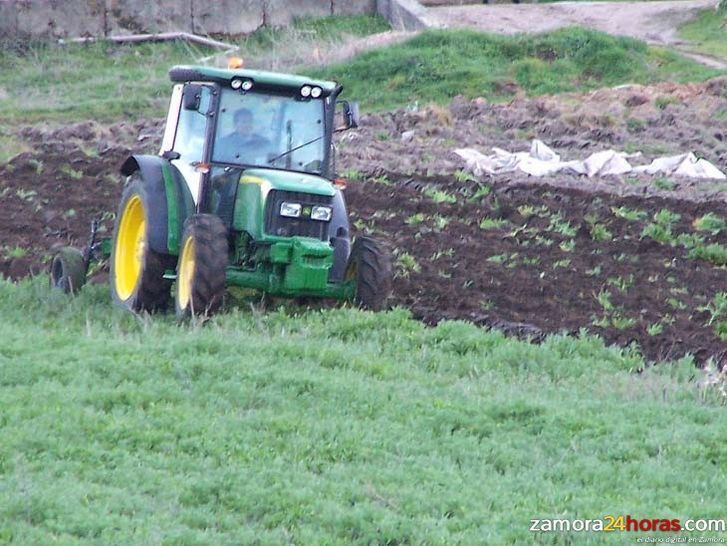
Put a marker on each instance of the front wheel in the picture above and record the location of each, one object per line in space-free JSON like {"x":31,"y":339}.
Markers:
{"x":369,"y":266}
{"x":137,"y":272}
{"x":201,"y":267}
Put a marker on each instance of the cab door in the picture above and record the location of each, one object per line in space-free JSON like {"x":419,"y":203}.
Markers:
{"x":191,"y":136}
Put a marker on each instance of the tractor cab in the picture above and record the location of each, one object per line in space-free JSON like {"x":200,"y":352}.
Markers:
{"x":223,"y":122}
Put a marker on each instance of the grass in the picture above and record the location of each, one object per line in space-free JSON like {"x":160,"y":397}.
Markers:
{"x":332,"y":427}
{"x":707,"y":32}
{"x":439,"y":64}
{"x":45,"y":82}
{"x":95,"y":81}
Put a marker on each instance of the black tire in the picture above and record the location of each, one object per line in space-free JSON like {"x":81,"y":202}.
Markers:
{"x":203,"y":257}
{"x":68,"y":270}
{"x":370,"y":267}
{"x":137,"y":272}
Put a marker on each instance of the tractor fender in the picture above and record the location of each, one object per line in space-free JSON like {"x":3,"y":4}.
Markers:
{"x":166,"y":196}
{"x":340,"y":234}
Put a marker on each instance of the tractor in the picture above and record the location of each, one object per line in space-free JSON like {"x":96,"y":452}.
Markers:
{"x":242,"y":193}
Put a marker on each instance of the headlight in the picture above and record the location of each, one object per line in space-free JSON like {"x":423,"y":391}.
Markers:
{"x":291,"y":210}
{"x":316,"y":92}
{"x":239,"y":83}
{"x":321,"y":213}
{"x":305,"y":91}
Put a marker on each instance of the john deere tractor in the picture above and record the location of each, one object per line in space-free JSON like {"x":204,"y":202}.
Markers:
{"x":240,"y":194}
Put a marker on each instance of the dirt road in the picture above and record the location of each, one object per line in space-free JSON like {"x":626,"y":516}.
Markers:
{"x":653,"y":22}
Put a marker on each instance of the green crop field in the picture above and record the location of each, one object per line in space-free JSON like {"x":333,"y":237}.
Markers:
{"x":333,"y":427}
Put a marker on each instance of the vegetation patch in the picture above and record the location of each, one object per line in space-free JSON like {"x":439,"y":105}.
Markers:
{"x":333,"y":426}
{"x":103,"y":81}
{"x":706,"y":33}
{"x":440,"y":64}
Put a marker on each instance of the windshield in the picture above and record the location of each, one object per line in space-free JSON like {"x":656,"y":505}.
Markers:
{"x":266,"y":130}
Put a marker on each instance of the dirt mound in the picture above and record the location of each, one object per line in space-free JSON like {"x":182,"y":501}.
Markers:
{"x":656,"y":120}
{"x":529,"y":256}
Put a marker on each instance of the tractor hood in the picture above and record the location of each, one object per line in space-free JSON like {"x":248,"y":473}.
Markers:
{"x":273,"y":179}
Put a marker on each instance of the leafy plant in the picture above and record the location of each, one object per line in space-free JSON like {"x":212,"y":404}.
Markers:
{"x":710,"y":222}
{"x":714,"y":253}
{"x":632,"y":215}
{"x":623,"y":284}
{"x":604,"y":300}
{"x":664,"y":183}
{"x":463,"y":176}
{"x":406,"y":263}
{"x":655,"y":329}
{"x":568,"y":246}
{"x":665,"y":217}
{"x":415,"y":219}
{"x":482,"y":191}
{"x":440,"y":222}
{"x":440,"y":196}
{"x":560,"y":225}
{"x":658,"y":232}
{"x":493,"y":223}
{"x":599,"y":232}
{"x":621,"y":322}
{"x":16,"y":252}
{"x":717,"y":309}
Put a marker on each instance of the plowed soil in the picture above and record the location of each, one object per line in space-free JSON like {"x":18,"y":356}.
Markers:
{"x":529,"y":256}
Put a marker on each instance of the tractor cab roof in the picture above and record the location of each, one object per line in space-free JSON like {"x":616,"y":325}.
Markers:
{"x":272,"y":81}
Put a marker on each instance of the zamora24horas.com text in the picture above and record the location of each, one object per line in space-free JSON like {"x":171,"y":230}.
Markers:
{"x":629,"y":523}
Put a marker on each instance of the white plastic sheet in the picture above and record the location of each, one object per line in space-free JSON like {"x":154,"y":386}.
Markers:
{"x":542,"y":161}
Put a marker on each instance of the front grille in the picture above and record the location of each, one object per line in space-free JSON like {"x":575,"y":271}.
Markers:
{"x":289,"y":227}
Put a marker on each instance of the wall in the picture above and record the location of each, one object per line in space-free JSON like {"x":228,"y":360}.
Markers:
{"x":73,"y":18}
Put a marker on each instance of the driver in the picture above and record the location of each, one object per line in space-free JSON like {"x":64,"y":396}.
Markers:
{"x":243,"y":142}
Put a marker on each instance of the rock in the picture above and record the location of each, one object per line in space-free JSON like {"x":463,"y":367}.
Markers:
{"x":407,"y":136}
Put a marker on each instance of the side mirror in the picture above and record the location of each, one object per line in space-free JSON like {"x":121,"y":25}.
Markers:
{"x":191,"y":97}
{"x":350,"y":115}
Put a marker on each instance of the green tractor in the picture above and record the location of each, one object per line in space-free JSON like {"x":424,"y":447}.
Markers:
{"x":241,"y":194}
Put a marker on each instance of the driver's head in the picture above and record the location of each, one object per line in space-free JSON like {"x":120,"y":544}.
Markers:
{"x":243,"y":121}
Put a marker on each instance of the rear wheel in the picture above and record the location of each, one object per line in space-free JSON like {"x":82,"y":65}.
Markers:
{"x":201,"y":267}
{"x":68,"y":270}
{"x":137,"y":272}
{"x":369,"y":266}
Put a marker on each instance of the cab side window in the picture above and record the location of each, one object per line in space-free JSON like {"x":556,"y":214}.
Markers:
{"x":189,"y":141}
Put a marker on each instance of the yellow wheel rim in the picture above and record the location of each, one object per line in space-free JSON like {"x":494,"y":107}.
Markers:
{"x":130,"y":247}
{"x":185,"y":273}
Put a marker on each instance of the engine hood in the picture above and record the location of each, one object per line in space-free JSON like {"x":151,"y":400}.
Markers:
{"x":273,"y":179}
